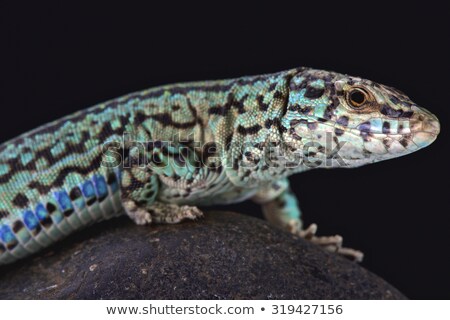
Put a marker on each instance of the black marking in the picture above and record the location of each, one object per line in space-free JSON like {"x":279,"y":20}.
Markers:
{"x":364,"y":127}
{"x":250,"y":130}
{"x":404,"y":142}
{"x":297,"y":87}
{"x":68,"y":213}
{"x":50,"y":207}
{"x":20,"y":200}
{"x":295,"y":122}
{"x":47,"y":222}
{"x":294,"y":107}
{"x":397,"y":101}
{"x":12,"y":245}
{"x":338,"y":132}
{"x":91,"y":201}
{"x":394,"y":99}
{"x":294,"y":134}
{"x":75,"y":193}
{"x":37,"y":230}
{"x":390,"y":112}
{"x":166,"y":120}
{"x":277,"y":122}
{"x":312,"y":125}
{"x":209,"y":150}
{"x":313,"y":92}
{"x":276,"y":186}
{"x":236,"y":164}
{"x":407,"y":114}
{"x":3,"y":214}
{"x":216,"y":168}
{"x":259,"y":145}
{"x":141,"y":203}
{"x":156,"y":159}
{"x":328,"y":113}
{"x":231,"y":102}
{"x":111,"y":179}
{"x":262,"y":106}
{"x":2,"y":249}
{"x":179,"y":159}
{"x":17,"y":226}
{"x":303,"y":121}
{"x":305,"y":110}
{"x":108,"y":131}
{"x":239,"y":104}
{"x":343,"y":121}
{"x":62,"y":174}
{"x":386,"y":127}
{"x":277,"y":95}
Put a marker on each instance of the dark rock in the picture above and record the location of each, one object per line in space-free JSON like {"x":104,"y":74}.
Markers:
{"x":224,"y":256}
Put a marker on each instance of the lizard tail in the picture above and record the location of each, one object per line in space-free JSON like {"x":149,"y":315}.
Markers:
{"x":33,"y":229}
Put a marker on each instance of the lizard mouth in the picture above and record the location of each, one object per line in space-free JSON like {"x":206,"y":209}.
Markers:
{"x":422,"y":129}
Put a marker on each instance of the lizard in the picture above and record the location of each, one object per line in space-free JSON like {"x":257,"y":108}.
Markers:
{"x":157,"y":154}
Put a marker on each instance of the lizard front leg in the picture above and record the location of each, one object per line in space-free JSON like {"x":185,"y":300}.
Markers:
{"x":139,"y":201}
{"x":139,"y":190}
{"x":280,"y":207}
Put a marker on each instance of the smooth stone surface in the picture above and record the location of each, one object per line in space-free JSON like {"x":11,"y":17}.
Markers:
{"x":223,"y":256}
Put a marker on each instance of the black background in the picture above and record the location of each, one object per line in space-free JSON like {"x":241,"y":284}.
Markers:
{"x":58,"y":58}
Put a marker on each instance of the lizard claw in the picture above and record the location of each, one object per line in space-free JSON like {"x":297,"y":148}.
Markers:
{"x":352,"y":254}
{"x":309,"y":233}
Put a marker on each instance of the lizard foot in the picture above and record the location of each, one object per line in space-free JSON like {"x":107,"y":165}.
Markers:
{"x":330,"y":243}
{"x":139,"y":215}
{"x":171,"y":213}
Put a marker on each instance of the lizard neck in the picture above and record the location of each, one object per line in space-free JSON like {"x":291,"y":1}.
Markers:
{"x":257,"y":143}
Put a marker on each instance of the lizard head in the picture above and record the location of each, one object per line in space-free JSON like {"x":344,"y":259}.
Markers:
{"x":335,"y":116}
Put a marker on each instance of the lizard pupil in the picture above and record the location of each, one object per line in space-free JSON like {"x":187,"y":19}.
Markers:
{"x":357,"y":97}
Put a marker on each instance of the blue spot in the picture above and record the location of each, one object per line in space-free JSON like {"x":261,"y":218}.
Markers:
{"x":41,"y":212}
{"x":6,"y":234}
{"x":100,"y":185}
{"x":88,"y":189}
{"x":63,"y":200}
{"x":30,"y":220}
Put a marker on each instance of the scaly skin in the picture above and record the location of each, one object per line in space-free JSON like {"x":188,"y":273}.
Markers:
{"x":158,"y":153}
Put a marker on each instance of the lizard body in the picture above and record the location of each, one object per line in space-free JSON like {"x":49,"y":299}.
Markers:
{"x":157,"y":154}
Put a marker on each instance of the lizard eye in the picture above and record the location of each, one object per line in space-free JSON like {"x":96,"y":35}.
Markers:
{"x":357,"y":97}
